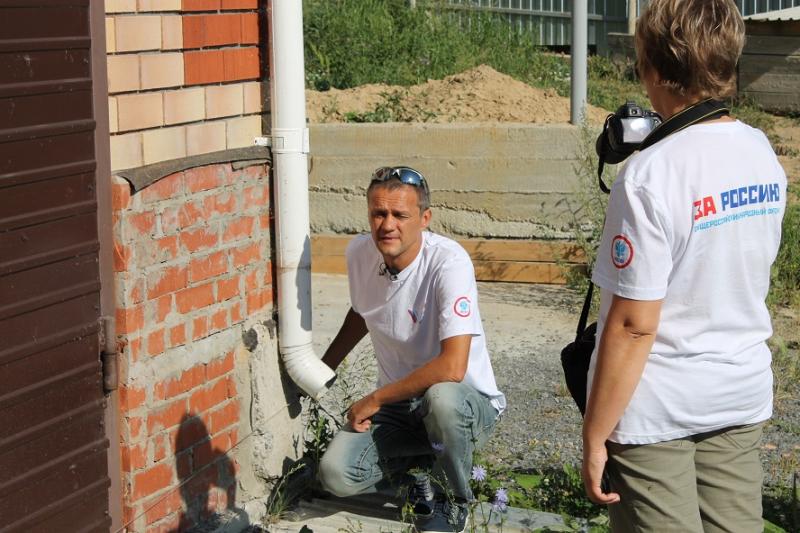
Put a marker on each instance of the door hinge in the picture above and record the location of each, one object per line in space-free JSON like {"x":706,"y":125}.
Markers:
{"x":109,"y":355}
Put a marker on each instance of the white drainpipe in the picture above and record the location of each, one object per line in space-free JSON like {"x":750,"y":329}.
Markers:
{"x":289,"y":141}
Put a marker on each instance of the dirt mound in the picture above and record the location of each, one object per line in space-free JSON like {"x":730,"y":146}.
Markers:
{"x":478,"y":95}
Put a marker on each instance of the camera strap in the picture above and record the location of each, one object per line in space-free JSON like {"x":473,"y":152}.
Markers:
{"x":708,"y":109}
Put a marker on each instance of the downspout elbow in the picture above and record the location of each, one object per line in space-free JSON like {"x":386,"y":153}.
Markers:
{"x":307,"y":370}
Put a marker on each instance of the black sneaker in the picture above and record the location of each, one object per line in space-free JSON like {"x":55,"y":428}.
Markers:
{"x":421,"y":496}
{"x":447,"y":517}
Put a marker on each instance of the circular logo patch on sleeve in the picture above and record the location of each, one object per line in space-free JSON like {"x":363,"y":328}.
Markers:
{"x":621,"y":251}
{"x":462,"y":306}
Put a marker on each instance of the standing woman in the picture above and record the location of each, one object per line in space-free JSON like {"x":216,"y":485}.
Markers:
{"x":680,"y":382}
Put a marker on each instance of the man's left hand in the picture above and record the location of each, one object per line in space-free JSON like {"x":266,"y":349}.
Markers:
{"x":360,"y":413}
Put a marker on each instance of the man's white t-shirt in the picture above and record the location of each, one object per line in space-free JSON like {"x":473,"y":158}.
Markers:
{"x":409,"y":314}
{"x":695,"y":220}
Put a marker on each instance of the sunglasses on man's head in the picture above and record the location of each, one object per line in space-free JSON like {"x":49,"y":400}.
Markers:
{"x":406,"y":175}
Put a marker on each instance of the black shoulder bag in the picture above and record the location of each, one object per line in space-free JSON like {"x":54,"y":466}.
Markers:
{"x":576,"y":356}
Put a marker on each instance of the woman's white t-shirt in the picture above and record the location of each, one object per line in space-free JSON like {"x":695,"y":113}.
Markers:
{"x":409,"y":314}
{"x":695,"y":220}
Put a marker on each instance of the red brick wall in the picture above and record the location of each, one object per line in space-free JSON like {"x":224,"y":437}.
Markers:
{"x":192,"y":261}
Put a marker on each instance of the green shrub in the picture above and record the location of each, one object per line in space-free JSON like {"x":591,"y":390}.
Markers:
{"x":785,"y":283}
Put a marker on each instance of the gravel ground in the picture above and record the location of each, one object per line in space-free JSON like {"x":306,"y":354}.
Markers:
{"x":526,"y":327}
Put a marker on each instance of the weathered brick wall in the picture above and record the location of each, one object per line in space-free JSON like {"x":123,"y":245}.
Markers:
{"x":192,"y":262}
{"x":182,"y":78}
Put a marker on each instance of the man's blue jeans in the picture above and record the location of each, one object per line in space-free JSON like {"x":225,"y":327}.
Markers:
{"x":440,"y":430}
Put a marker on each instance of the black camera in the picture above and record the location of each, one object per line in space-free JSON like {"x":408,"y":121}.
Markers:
{"x":624,"y":131}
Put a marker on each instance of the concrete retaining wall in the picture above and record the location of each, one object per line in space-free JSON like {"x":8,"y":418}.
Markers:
{"x":487,"y":180}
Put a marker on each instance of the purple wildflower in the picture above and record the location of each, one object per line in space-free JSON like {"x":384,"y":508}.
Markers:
{"x":500,"y":500}
{"x":438,"y":447}
{"x":478,"y":473}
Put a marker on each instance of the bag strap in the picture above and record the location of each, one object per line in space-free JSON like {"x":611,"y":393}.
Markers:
{"x":587,"y":305}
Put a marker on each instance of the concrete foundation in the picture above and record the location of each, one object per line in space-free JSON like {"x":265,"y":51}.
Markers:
{"x":486,"y":180}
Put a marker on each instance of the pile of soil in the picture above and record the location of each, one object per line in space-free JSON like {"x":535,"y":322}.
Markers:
{"x":480,"y":94}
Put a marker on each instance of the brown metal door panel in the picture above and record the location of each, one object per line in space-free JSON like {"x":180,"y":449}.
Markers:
{"x":65,"y":485}
{"x":33,"y":154}
{"x":53,"y":441}
{"x":56,"y":21}
{"x":37,"y":202}
{"x":45,"y":243}
{"x":43,"y":65}
{"x":46,"y":285}
{"x":43,"y":3}
{"x":44,"y":109}
{"x":45,"y":328}
{"x":30,"y":417}
{"x":37,"y":456}
{"x":48,"y":366}
{"x":82,"y":515}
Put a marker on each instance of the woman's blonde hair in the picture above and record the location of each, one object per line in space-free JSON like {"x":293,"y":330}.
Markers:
{"x":693,"y":45}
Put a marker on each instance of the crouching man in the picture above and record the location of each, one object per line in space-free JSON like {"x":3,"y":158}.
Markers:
{"x":436,"y":399}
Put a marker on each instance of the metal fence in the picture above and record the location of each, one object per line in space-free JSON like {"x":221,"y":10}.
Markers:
{"x":751,"y":7}
{"x":550,"y":20}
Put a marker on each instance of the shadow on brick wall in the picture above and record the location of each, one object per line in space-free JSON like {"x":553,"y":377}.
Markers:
{"x":207,"y":477}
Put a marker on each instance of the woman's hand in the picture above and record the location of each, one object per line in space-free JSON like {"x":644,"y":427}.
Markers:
{"x":594,"y":462}
{"x":622,"y":353}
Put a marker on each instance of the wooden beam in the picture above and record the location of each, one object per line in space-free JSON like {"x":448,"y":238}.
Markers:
{"x":478,"y":249}
{"x":494,"y":259}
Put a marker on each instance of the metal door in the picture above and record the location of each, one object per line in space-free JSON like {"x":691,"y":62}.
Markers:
{"x":53,"y":445}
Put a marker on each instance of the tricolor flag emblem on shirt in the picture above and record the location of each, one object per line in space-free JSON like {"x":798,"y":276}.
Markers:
{"x":621,"y":251}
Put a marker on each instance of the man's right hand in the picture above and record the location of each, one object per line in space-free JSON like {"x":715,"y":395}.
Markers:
{"x":360,"y":414}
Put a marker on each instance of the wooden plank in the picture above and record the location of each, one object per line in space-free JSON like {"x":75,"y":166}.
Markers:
{"x":517,"y":250}
{"x":772,"y":45}
{"x":323,"y":245}
{"x":485,"y":270}
{"x":478,"y":249}
{"x":510,"y":271}
{"x":520,"y":272}
{"x":328,"y":264}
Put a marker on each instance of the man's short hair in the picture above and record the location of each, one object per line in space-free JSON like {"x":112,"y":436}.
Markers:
{"x":693,"y":45}
{"x":391,"y":184}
